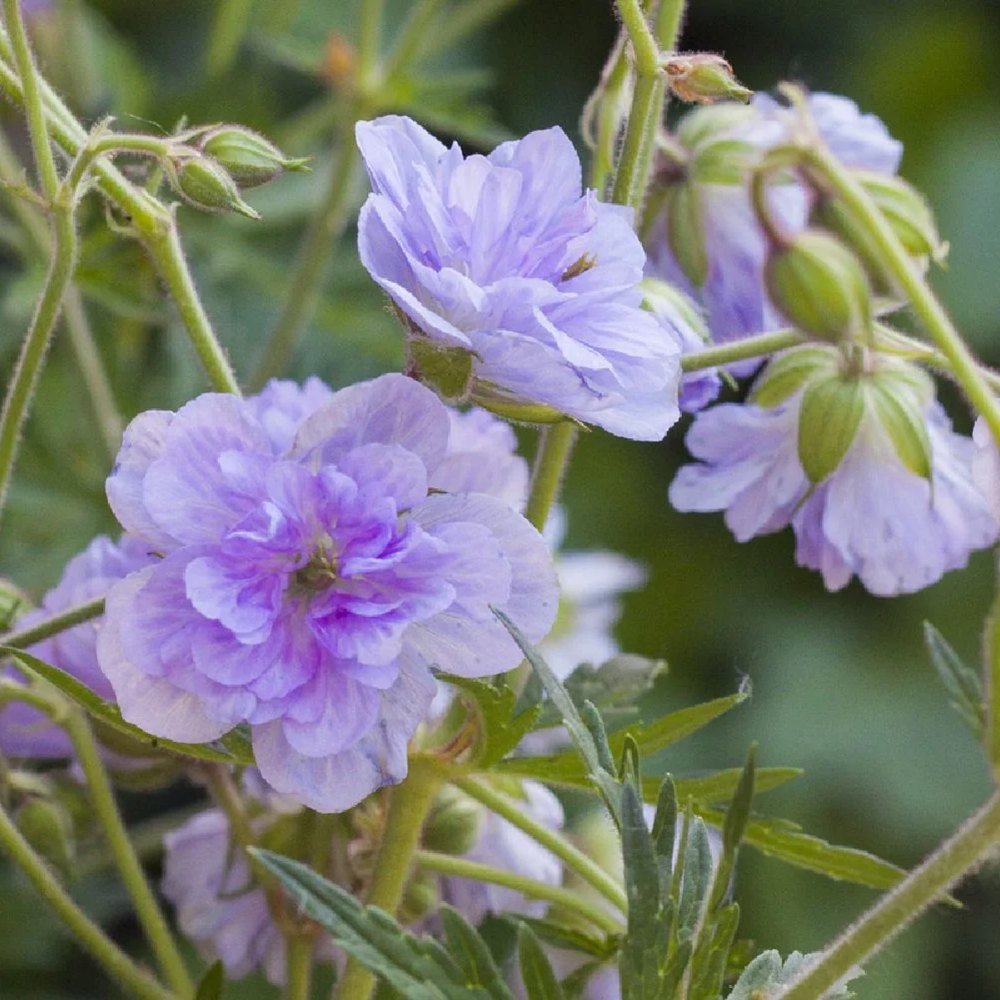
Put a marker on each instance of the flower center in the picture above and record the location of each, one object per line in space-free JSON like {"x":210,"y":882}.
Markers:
{"x":319,"y":573}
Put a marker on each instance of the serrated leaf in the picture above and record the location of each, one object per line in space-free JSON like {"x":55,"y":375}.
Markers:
{"x":964,"y":687}
{"x":539,"y":980}
{"x":786,"y":841}
{"x":829,"y":417}
{"x":109,"y":714}
{"x":502,"y":725}
{"x":905,"y":426}
{"x":212,"y":983}
{"x":420,"y":968}
{"x":789,"y":371}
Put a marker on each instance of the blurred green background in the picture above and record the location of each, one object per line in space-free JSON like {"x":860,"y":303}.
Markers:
{"x":842,"y":684}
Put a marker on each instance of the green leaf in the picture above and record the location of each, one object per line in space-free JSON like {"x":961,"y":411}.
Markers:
{"x":964,"y":687}
{"x":712,"y":958}
{"x":212,"y":983}
{"x":720,"y":786}
{"x":789,"y":371}
{"x":501,"y":726}
{"x":107,"y":713}
{"x":737,"y":817}
{"x":469,"y":950}
{"x":904,"y":423}
{"x":539,"y":980}
{"x":697,"y":878}
{"x":568,"y":938}
{"x":829,"y":418}
{"x":784,"y":840}
{"x":419,"y":968}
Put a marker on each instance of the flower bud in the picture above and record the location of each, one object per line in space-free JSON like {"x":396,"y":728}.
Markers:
{"x":419,"y":898}
{"x":704,"y":78}
{"x":249,"y":158}
{"x":45,"y":825}
{"x":453,"y":823}
{"x":206,"y":185}
{"x":820,"y":286}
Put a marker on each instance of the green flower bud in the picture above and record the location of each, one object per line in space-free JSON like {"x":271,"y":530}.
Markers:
{"x":704,"y":78}
{"x":246,"y":156}
{"x":790,"y":370}
{"x":419,"y":897}
{"x":820,"y":286}
{"x":206,"y":185}
{"x":829,"y":417}
{"x":447,"y":370}
{"x":46,"y":826}
{"x":453,"y":823}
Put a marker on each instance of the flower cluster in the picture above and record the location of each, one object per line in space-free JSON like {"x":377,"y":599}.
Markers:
{"x":506,"y":258}
{"x":313,"y":569}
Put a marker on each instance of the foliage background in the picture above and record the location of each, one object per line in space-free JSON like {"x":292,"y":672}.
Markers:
{"x":843,"y":687}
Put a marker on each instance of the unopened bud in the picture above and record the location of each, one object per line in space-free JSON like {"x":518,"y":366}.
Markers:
{"x":453,"y":824}
{"x":45,"y":825}
{"x":249,"y":158}
{"x":206,"y":185}
{"x":419,"y":897}
{"x":704,"y":78}
{"x":820,"y":286}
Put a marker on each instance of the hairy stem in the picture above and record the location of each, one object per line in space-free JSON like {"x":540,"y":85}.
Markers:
{"x":446,"y":864}
{"x":551,"y":460}
{"x":114,"y":961}
{"x":147,"y":909}
{"x":575,"y":859}
{"x":757,"y":346}
{"x":409,"y":804}
{"x":26,"y":638}
{"x":956,"y":857}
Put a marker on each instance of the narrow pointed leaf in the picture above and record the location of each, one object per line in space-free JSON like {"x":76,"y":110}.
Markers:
{"x":539,"y":980}
{"x":211,"y":985}
{"x":965,"y":689}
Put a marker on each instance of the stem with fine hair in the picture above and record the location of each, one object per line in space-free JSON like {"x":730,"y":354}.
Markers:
{"x":446,"y":864}
{"x":104,"y":951}
{"x":48,"y":627}
{"x":757,"y":346}
{"x":575,"y":859}
{"x":147,"y":910}
{"x":551,"y":460}
{"x":964,"y":851}
{"x":409,"y":804}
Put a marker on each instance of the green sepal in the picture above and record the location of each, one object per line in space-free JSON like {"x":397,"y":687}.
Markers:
{"x":907,"y":212}
{"x":685,"y":233}
{"x":725,"y":161}
{"x":447,"y":370}
{"x":790,"y":371}
{"x":903,"y":422}
{"x":706,"y":124}
{"x":829,"y":418}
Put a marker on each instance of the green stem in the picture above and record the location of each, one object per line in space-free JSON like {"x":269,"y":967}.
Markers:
{"x":299,"y":965}
{"x":509,"y":809}
{"x":231,"y":18}
{"x":115,"y":962}
{"x":369,"y":40}
{"x":991,"y":733}
{"x":164,"y":246}
{"x":227,"y":797}
{"x":445,"y":864}
{"x":409,"y":804}
{"x":411,"y":36}
{"x":668,"y":22}
{"x":328,"y":223}
{"x":147,"y":909}
{"x":551,"y":460}
{"x":49,"y":627}
{"x":904,"y":272}
{"x":956,"y":857}
{"x":740,"y":350}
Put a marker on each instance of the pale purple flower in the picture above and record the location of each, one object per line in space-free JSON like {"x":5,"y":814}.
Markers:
{"x":986,"y":465}
{"x":24,"y":731}
{"x":508,"y":257}
{"x":732,"y":291}
{"x":306,"y":589}
{"x":502,"y":845}
{"x":871,"y":517}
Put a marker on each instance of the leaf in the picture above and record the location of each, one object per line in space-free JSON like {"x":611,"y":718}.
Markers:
{"x":501,"y":728}
{"x":964,"y":687}
{"x":568,"y":938}
{"x":107,"y":713}
{"x":721,"y":785}
{"x":737,"y":816}
{"x":212,"y":983}
{"x":539,"y":980}
{"x":419,"y":968}
{"x":469,"y":950}
{"x":784,"y":840}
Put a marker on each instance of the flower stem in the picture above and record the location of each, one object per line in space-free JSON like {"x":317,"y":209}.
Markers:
{"x":668,"y":23}
{"x":115,"y":962}
{"x":740,"y":350}
{"x":327,"y":225}
{"x":230,"y":24}
{"x":956,"y":857}
{"x":903,"y":271}
{"x":445,"y":864}
{"x":508,"y":808}
{"x":298,"y":980}
{"x":27,"y":638}
{"x":106,"y":809}
{"x":554,"y":447}
{"x":409,"y":804}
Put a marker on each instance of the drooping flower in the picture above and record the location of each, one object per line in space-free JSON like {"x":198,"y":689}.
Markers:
{"x":707,"y":239}
{"x":25,"y":731}
{"x":306,"y":589}
{"x":506,"y":257}
{"x":500,"y":844}
{"x":986,"y":465}
{"x":873,"y":514}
